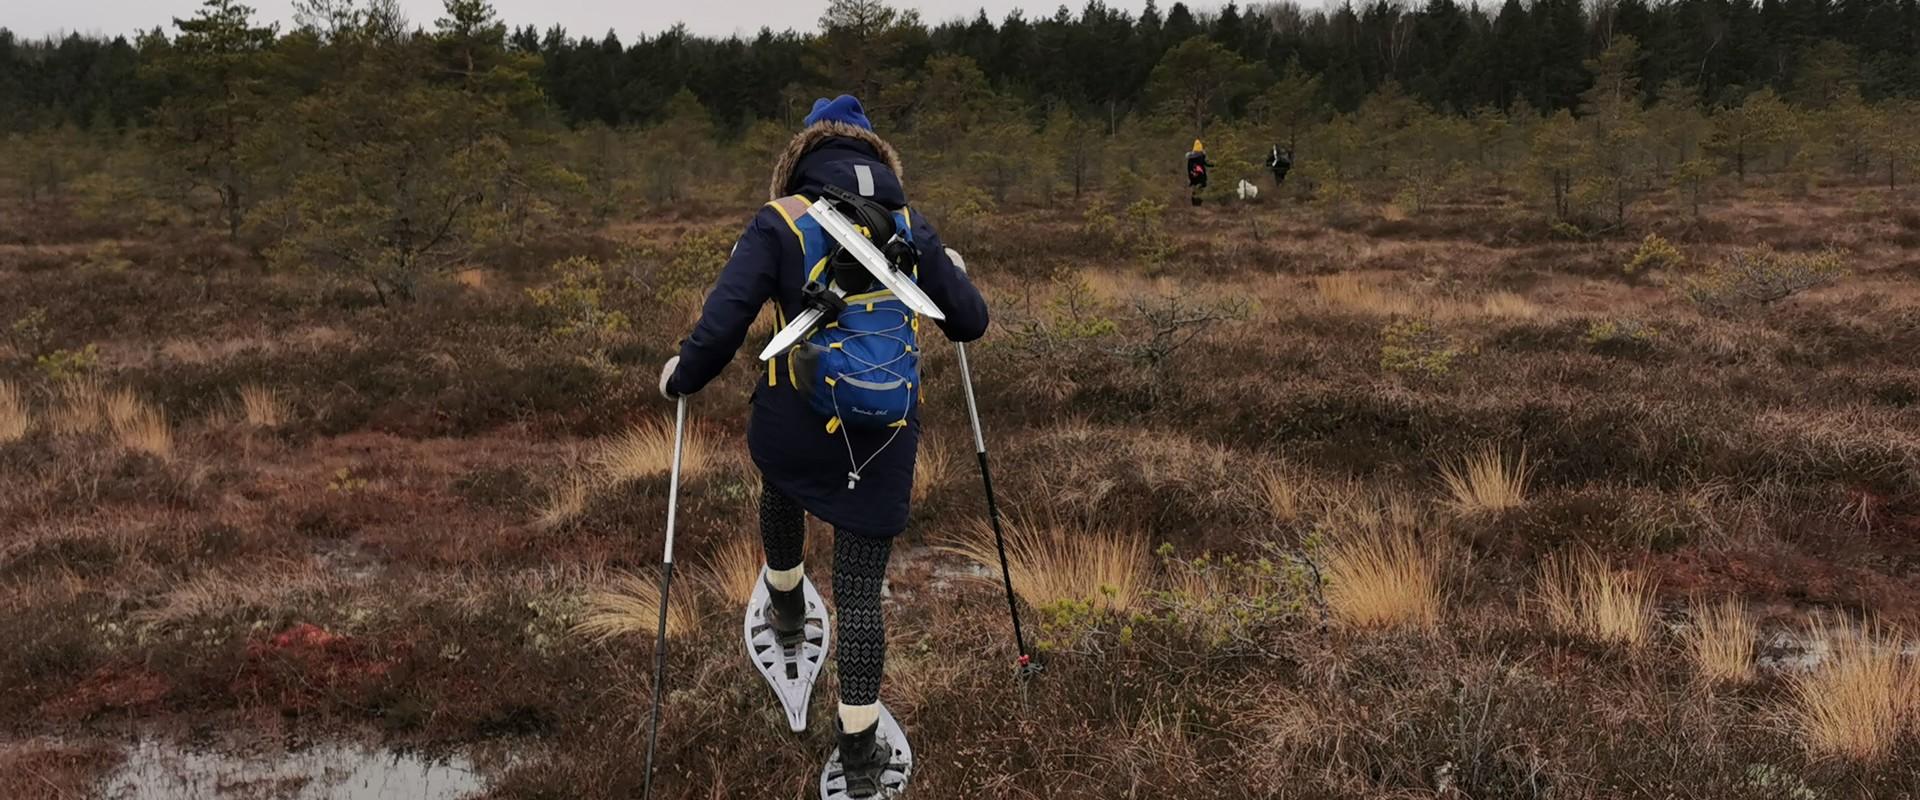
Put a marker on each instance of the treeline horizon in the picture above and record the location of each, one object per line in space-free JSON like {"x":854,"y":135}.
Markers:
{"x":1097,"y":63}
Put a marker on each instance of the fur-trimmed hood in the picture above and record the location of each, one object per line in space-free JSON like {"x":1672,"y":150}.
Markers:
{"x":805,"y":141}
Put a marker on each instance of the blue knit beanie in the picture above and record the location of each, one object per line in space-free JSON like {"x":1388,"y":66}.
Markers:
{"x":845,"y":108}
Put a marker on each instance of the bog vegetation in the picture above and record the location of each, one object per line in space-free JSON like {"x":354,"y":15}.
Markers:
{"x":1549,"y":432}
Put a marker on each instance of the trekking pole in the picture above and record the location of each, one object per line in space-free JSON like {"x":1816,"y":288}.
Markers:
{"x":666,"y":584}
{"x":1027,"y":665}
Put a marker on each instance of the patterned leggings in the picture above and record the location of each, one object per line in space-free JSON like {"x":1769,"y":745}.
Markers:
{"x":859,"y":569}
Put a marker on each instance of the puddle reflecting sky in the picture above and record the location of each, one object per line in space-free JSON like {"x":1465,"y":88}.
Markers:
{"x":161,"y":770}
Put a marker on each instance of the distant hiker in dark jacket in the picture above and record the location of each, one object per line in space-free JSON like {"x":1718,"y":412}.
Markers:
{"x":1197,"y":166}
{"x":1280,"y":161}
{"x":803,"y":461}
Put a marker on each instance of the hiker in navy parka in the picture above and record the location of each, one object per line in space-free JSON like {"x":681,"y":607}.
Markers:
{"x":803,"y":463}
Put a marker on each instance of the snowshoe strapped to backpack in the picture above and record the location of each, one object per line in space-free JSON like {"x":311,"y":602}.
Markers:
{"x":861,"y":369}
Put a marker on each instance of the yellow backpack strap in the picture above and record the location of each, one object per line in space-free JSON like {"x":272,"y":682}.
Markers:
{"x":791,"y":208}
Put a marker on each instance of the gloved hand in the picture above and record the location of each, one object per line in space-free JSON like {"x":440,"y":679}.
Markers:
{"x":957,"y":260}
{"x":666,"y":374}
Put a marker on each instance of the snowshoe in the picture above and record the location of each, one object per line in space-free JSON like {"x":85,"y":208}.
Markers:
{"x":789,"y":656}
{"x":875,"y":763}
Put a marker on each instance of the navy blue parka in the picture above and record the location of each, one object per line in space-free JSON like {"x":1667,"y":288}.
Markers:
{"x":788,"y":440}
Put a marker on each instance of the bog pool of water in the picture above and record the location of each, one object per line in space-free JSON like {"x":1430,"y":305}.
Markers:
{"x":158,"y":769}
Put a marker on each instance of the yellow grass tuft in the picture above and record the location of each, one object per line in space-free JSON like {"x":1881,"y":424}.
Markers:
{"x":15,"y":418}
{"x":262,"y":406}
{"x":1282,"y":493}
{"x":1383,"y":577}
{"x":931,"y":468}
{"x":630,"y":604}
{"x":1859,"y":701}
{"x":1486,"y":481}
{"x":646,"y":450}
{"x":121,"y":407}
{"x":1587,"y":597}
{"x":79,"y":408}
{"x":1351,"y":293}
{"x":143,"y":428}
{"x":1507,"y":305}
{"x":1053,"y":562}
{"x":564,"y":504}
{"x":1721,"y":642}
{"x":731,"y":571}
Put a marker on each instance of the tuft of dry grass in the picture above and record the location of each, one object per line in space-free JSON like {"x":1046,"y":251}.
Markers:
{"x":1859,"y":701}
{"x":15,"y":418}
{"x":630,"y":604}
{"x":1486,"y":480}
{"x":646,"y":450}
{"x":1383,"y":577}
{"x":564,"y":504}
{"x":1351,"y":293}
{"x":1587,"y":597}
{"x":137,"y":425}
{"x":1054,"y":561}
{"x":1508,"y":305}
{"x":262,"y":407}
{"x":1282,"y":495}
{"x":931,"y":468}
{"x":1721,"y":642}
{"x":79,"y":407}
{"x":730,"y":573}
{"x":121,"y":407}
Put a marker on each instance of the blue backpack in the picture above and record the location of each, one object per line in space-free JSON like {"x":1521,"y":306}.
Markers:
{"x":860,"y":371}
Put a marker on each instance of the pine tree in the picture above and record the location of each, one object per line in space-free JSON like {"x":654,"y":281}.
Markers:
{"x":1741,"y":133}
{"x":1198,"y":77}
{"x":215,"y":71}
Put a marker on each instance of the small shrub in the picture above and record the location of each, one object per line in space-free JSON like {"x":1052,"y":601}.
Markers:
{"x":1761,"y":276}
{"x":345,"y":482}
{"x":65,"y":365}
{"x":1584,"y":596}
{"x":1619,"y":335}
{"x":1225,"y":599}
{"x":692,"y":262}
{"x":1859,"y":701}
{"x":1415,"y":346}
{"x":27,"y":334}
{"x":1486,"y":480}
{"x":572,"y":306}
{"x":1655,"y":252}
{"x":1145,"y":231}
{"x":1562,"y":229}
{"x":1721,"y":642}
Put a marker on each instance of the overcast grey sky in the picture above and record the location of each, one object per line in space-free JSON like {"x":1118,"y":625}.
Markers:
{"x":35,"y":18}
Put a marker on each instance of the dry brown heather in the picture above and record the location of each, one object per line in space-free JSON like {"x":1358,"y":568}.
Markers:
{"x":1439,"y":504}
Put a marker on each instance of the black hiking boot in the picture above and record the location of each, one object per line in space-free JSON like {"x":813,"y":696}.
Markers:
{"x":863,"y":759}
{"x":787,"y":614}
